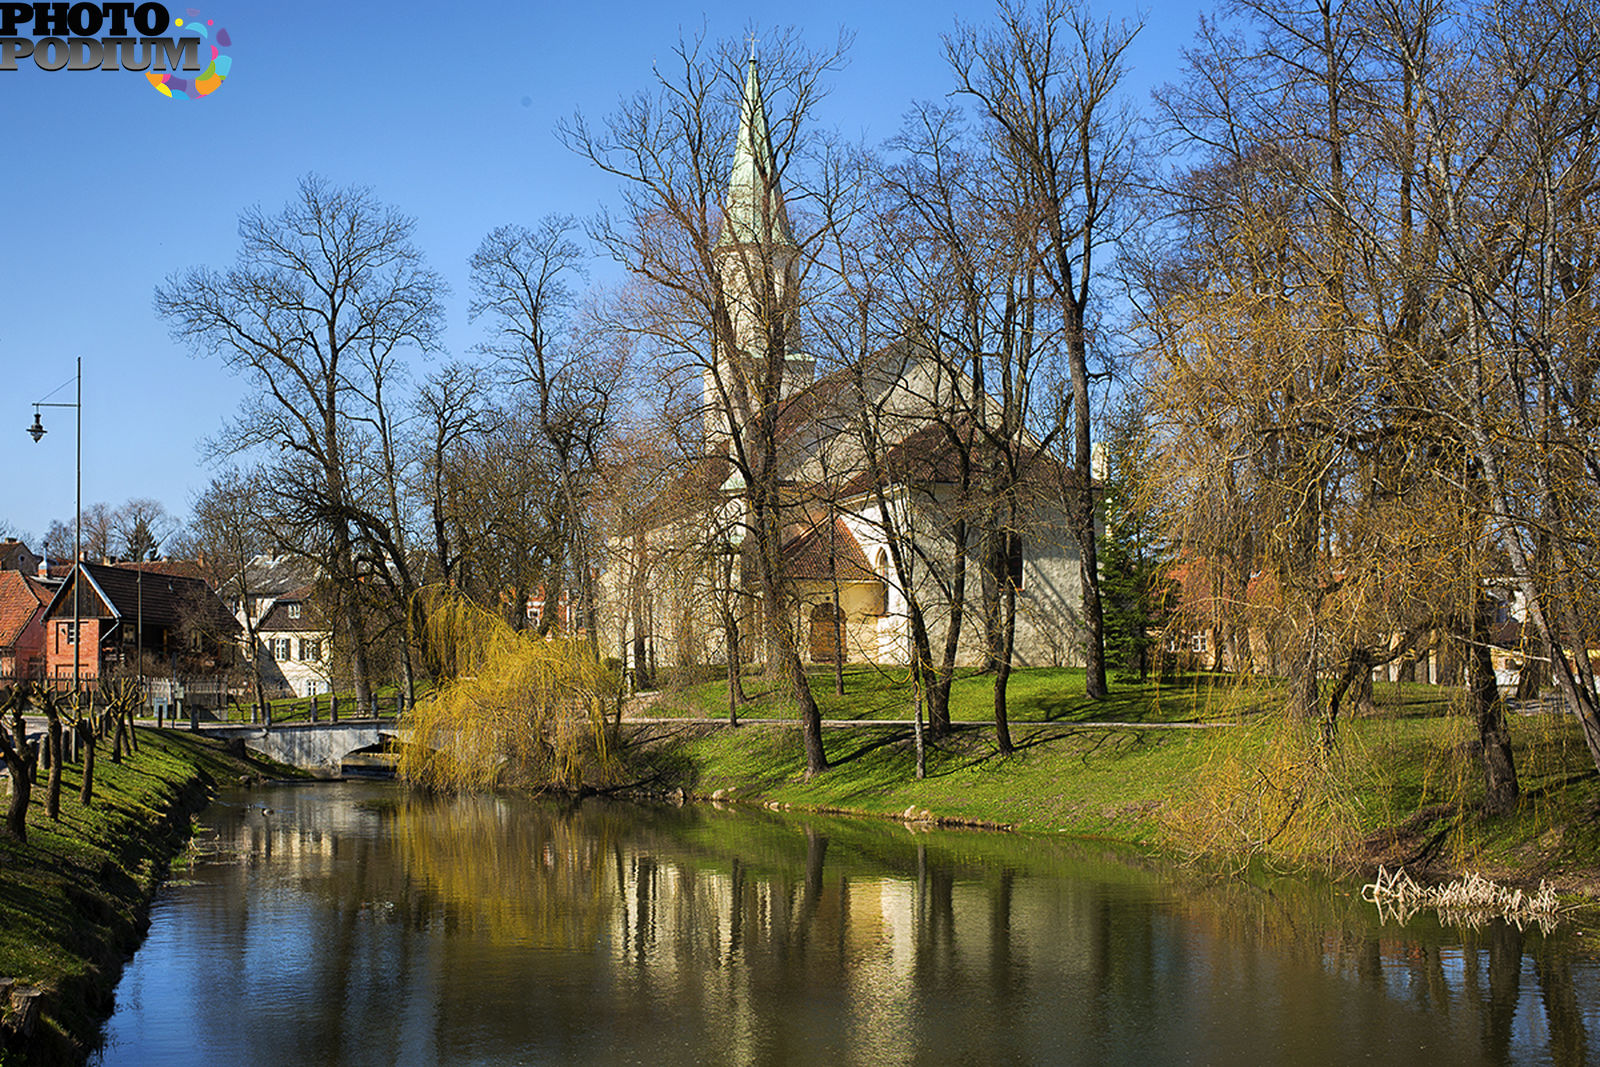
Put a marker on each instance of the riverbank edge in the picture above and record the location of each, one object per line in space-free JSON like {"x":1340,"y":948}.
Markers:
{"x":1406,"y":844}
{"x":59,"y":1021}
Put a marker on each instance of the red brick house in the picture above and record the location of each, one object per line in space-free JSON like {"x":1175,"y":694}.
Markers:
{"x":23,"y":600}
{"x":176,"y":620}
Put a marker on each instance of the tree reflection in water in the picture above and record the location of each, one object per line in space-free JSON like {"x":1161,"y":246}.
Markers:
{"x":362,"y":924}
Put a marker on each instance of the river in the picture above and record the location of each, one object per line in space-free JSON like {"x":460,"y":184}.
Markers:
{"x":357,"y":923}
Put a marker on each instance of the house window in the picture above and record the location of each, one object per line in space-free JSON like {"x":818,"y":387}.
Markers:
{"x":294,"y":611}
{"x":282,"y":648}
{"x":69,"y":633}
{"x":1172,"y":642}
{"x":1014,"y":559}
{"x":1197,"y":641}
{"x":311,"y":649}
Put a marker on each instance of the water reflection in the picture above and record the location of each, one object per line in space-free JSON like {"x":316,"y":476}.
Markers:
{"x":360,"y":924}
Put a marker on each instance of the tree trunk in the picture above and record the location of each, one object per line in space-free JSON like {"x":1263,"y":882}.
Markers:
{"x":85,"y":732}
{"x":780,"y":636}
{"x":1499,"y":770}
{"x":1007,"y":644}
{"x":52,"y":793}
{"x":20,"y":768}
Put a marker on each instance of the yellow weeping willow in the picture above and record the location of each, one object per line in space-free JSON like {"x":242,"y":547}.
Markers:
{"x":513,"y":709}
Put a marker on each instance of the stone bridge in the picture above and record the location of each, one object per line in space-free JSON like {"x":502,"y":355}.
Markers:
{"x":319,"y":747}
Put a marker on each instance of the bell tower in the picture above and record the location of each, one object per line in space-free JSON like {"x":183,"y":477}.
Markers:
{"x":756,"y":257}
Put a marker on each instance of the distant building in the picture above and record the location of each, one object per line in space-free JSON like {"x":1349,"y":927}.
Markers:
{"x":296,"y":638}
{"x":685,"y":568}
{"x":15,"y":556}
{"x":277,"y":597}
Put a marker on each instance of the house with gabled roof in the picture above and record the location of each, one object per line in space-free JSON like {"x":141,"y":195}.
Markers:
{"x":104,"y":616}
{"x":23,"y":600}
{"x":296,"y":643}
{"x":15,"y":556}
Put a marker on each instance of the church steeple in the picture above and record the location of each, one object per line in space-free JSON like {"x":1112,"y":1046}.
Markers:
{"x":756,"y":255}
{"x":755,"y":208}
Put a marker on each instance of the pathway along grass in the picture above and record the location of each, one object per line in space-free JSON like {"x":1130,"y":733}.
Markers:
{"x":1403,"y":787}
{"x":74,"y":899}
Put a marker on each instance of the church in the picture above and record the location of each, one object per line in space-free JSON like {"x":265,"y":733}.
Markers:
{"x":888,"y":522}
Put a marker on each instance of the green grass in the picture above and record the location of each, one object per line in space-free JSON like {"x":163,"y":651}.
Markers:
{"x":1407,"y":771}
{"x":72,"y":898}
{"x":1044,"y":694}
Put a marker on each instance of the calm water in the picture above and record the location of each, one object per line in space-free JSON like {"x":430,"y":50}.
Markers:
{"x":357,"y":924}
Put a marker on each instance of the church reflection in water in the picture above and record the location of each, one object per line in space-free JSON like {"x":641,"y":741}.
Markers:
{"x":372,"y":925}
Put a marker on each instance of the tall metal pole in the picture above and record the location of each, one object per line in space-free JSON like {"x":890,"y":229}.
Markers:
{"x":77,"y":579}
{"x":37,"y":432}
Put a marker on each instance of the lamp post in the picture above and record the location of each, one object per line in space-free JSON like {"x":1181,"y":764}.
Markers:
{"x":37,"y":431}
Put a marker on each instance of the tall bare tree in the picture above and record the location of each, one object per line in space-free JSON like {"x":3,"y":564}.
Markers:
{"x":521,"y":281}
{"x":719,"y":267}
{"x":324,"y":296}
{"x":1045,"y":80}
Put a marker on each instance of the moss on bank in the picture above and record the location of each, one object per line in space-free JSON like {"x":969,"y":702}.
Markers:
{"x":74,"y":900}
{"x":1180,"y":767}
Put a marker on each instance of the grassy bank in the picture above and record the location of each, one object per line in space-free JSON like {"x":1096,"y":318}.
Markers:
{"x":73,"y":900}
{"x":1202,"y":765}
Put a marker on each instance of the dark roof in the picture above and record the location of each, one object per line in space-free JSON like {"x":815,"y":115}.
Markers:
{"x":21,"y":597}
{"x":806,"y":557}
{"x":274,"y":576}
{"x":184,"y":568}
{"x":311,"y":619}
{"x":159,"y":599}
{"x":925,"y":457}
{"x":1506,"y":634}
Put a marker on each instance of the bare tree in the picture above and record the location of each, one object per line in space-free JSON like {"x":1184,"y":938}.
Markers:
{"x":521,"y":281}
{"x":141,"y":526}
{"x":324,"y":297}
{"x":231,"y":528}
{"x":719,"y":266}
{"x":1045,"y":80}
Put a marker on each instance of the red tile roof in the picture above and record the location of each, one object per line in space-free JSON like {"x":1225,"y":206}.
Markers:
{"x":21,"y":597}
{"x":806,"y":557}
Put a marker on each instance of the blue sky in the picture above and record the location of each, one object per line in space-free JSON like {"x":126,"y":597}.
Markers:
{"x":445,"y":110}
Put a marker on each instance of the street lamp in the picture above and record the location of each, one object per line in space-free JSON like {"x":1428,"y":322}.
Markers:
{"x":37,"y":432}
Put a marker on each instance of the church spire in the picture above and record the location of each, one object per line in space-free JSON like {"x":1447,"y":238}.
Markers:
{"x":756,"y":213}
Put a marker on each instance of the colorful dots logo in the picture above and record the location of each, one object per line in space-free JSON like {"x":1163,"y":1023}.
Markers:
{"x":208,"y":80}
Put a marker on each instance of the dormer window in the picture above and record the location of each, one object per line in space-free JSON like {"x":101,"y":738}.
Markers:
{"x":294,"y":611}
